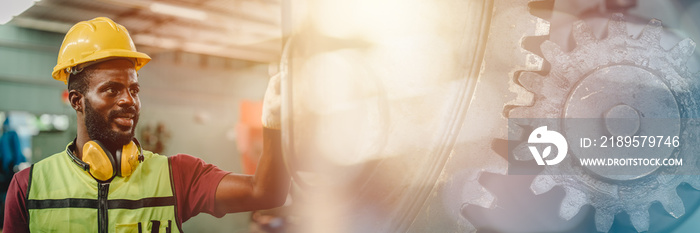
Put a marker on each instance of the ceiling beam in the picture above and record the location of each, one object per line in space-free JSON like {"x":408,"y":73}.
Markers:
{"x":42,"y":25}
{"x":263,"y":52}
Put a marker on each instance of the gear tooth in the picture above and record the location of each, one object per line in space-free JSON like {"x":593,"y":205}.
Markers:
{"x":521,"y":112}
{"x":656,"y":23}
{"x":547,"y":107}
{"x":516,"y":131}
{"x":531,"y":81}
{"x":499,"y":167}
{"x":485,"y":200}
{"x":619,"y":17}
{"x":521,"y":152}
{"x":640,"y":219}
{"x":652,"y":32}
{"x":534,"y":62}
{"x":695,"y":183}
{"x":480,"y":196}
{"x":685,"y":47}
{"x":582,"y":33}
{"x":603,"y":221}
{"x":682,"y":51}
{"x":519,"y":121}
{"x":673,"y":204}
{"x":524,"y":97}
{"x":552,"y":52}
{"x":617,"y":26}
{"x":572,"y":203}
{"x":555,"y":85}
{"x":542,"y":184}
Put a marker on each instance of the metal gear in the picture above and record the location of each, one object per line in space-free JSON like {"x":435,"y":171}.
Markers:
{"x":619,"y":63}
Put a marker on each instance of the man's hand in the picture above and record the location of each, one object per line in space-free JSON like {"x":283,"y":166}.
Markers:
{"x":271,"y":110}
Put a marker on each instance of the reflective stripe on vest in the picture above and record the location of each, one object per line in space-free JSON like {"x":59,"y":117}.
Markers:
{"x":64,"y":198}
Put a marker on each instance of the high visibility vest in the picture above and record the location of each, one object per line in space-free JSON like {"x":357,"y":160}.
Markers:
{"x":62,"y":197}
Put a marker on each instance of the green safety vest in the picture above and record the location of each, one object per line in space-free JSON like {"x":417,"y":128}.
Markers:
{"x":62,"y":197}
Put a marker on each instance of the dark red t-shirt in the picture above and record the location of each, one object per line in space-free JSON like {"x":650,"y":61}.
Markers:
{"x":195,"y":190}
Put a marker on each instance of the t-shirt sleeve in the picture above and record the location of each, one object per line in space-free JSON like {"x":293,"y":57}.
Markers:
{"x":195,"y":184}
{"x":16,"y":216}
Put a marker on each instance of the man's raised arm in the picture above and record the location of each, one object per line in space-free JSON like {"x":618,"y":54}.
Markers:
{"x":269,"y":186}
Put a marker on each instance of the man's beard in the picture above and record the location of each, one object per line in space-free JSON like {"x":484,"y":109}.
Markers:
{"x":98,"y":127}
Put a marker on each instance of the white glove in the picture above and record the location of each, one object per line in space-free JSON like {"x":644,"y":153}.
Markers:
{"x":272,"y":103}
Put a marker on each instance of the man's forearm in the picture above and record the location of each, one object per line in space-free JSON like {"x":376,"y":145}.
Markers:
{"x":271,"y":181}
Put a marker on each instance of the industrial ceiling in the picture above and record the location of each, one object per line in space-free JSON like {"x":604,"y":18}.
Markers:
{"x":240,"y":29}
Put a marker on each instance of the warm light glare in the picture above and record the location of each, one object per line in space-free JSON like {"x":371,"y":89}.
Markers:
{"x":375,"y":20}
{"x":396,"y":72}
{"x":378,"y":89}
{"x":344,"y":108}
{"x":178,"y":11}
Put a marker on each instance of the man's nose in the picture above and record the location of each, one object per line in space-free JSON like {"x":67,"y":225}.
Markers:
{"x":126,"y":99}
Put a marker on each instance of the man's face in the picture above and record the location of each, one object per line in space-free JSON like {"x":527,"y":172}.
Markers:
{"x":112,"y":105}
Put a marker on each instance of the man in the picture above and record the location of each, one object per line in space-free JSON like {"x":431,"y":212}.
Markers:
{"x":103,"y":181}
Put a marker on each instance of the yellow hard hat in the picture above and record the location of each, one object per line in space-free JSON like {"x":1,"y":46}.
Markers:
{"x":95,"y":40}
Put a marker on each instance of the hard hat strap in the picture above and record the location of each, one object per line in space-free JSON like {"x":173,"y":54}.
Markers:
{"x":74,"y":70}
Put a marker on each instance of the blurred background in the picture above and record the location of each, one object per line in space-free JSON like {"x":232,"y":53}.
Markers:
{"x":395,"y":111}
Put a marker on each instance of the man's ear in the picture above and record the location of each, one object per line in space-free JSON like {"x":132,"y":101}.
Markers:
{"x":76,"y":100}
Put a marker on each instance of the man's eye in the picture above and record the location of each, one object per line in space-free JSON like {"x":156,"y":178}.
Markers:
{"x":134,"y":91}
{"x":111,"y":90}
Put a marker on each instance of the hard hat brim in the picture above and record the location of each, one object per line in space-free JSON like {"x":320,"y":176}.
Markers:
{"x":140,"y":59}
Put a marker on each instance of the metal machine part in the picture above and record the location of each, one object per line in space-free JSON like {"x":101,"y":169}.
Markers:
{"x":600,"y":78}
